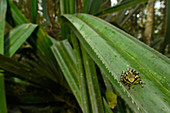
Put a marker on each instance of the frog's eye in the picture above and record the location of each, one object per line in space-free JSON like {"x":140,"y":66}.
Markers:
{"x":136,"y":76}
{"x":123,"y":72}
{"x":136,"y":73}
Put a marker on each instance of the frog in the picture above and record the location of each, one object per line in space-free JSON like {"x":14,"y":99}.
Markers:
{"x":130,"y":77}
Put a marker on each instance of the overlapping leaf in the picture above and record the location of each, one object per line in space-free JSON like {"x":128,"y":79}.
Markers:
{"x":114,"y":50}
{"x":16,"y":37}
{"x":64,"y":55}
{"x":127,"y":4}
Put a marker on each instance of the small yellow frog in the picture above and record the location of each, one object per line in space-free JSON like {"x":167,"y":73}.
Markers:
{"x":130,"y":77}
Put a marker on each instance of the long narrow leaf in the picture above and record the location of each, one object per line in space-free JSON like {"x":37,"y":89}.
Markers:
{"x":93,"y":85}
{"x":34,"y":4}
{"x":3,"y":9}
{"x":114,"y":50}
{"x":64,"y":55}
{"x":41,"y":45}
{"x":117,"y":88}
{"x":86,"y":5}
{"x":129,"y":3}
{"x":16,"y":37}
{"x":14,"y":16}
{"x":94,"y":6}
{"x":85,"y":101}
{"x":25,"y":72}
{"x":106,"y":106}
{"x":167,"y":36}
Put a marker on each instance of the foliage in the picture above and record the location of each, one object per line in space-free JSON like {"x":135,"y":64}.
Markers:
{"x":68,"y":62}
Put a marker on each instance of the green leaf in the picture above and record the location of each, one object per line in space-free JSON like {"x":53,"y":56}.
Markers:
{"x":66,"y":7}
{"x":111,"y":99}
{"x":92,"y":82}
{"x":91,"y":6}
{"x":85,"y":101}
{"x":125,"y":18}
{"x":167,"y":35}
{"x":3,"y":8}
{"x":106,"y":106}
{"x":25,"y":72}
{"x":72,"y":8}
{"x":16,"y":37}
{"x":114,"y":50}
{"x":65,"y":57}
{"x":41,"y":44}
{"x":94,"y":6}
{"x":14,"y":16}
{"x":86,"y":6}
{"x":3,"y":107}
{"x":118,"y":89}
{"x":129,"y":3}
{"x":34,"y":4}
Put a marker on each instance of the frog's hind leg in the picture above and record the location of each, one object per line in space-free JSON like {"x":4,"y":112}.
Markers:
{"x":140,"y":82}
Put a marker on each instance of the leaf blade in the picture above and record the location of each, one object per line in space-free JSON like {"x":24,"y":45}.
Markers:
{"x":120,"y":7}
{"x":17,"y":37}
{"x":3,"y":9}
{"x":92,"y":82}
{"x":69,"y":73}
{"x":15,"y":17}
{"x":34,"y":4}
{"x":95,"y":34}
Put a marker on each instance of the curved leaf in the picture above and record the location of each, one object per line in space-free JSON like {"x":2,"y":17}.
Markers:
{"x":114,"y":50}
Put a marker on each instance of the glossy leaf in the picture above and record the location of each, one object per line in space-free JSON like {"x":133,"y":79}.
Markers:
{"x":114,"y":50}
